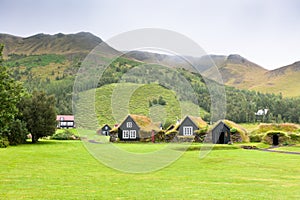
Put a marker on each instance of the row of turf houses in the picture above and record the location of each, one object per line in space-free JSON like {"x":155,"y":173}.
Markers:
{"x":140,"y":128}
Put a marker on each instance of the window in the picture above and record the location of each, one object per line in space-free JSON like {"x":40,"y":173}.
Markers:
{"x":132,"y":134}
{"x":125,"y":134}
{"x":187,"y":130}
{"x":63,"y":123}
{"x":70,"y":124}
{"x":61,"y":119}
{"x":129,"y":124}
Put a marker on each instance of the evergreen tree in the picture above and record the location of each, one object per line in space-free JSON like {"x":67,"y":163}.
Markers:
{"x":10,"y":94}
{"x":39,"y":114}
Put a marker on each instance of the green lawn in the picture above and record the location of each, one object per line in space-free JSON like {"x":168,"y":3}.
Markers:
{"x":65,"y":170}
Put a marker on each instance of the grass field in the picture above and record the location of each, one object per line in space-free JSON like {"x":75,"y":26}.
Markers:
{"x":65,"y":170}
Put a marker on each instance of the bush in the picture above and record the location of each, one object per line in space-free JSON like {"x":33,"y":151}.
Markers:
{"x":170,"y":136}
{"x":233,"y":130}
{"x":17,"y":133}
{"x":160,"y":136}
{"x":200,"y":135}
{"x":256,"y":138}
{"x":64,"y":135}
{"x":4,"y":142}
{"x":295,"y":137}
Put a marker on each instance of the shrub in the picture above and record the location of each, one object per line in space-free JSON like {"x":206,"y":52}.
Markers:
{"x":170,"y":136}
{"x":295,"y":137}
{"x":256,"y":138}
{"x":233,"y":130}
{"x":17,"y":133}
{"x":160,"y":136}
{"x":200,"y":135}
{"x":65,"y":135}
{"x":4,"y":142}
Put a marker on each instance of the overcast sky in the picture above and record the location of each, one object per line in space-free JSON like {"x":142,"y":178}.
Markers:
{"x":266,"y":32}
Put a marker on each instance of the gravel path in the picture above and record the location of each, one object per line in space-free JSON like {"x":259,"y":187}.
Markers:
{"x":271,"y":149}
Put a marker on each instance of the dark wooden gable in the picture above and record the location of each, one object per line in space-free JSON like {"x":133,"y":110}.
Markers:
{"x":129,"y":130}
{"x":105,"y":130}
{"x":221,"y":133}
{"x":187,"y":127}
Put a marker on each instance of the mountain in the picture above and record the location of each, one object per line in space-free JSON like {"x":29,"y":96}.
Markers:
{"x":284,"y":80}
{"x":236,"y":71}
{"x":53,"y":52}
{"x":239,"y":72}
{"x":82,"y":42}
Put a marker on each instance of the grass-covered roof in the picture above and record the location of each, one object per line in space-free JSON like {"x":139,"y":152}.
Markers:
{"x":144,"y":122}
{"x":286,"y":127}
{"x":234,"y":127}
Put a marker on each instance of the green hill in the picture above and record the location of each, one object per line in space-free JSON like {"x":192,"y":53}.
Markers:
{"x":114,"y":101}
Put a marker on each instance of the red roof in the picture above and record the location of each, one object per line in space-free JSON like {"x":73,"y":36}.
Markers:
{"x":65,"y":117}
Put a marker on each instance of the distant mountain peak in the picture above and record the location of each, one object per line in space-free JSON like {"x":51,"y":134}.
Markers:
{"x":236,"y":58}
{"x":41,"y":43}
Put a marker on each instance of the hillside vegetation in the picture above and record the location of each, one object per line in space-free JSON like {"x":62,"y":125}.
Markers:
{"x":49,"y":63}
{"x":111,"y":106}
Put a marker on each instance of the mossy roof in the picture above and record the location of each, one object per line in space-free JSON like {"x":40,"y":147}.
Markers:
{"x":286,"y":127}
{"x":198,"y":121}
{"x":143,"y":122}
{"x":240,"y":130}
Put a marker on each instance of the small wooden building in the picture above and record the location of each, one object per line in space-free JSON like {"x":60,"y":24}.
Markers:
{"x":225,"y":131}
{"x":189,"y":125}
{"x":185,"y":130}
{"x":65,"y":121}
{"x":105,"y":130}
{"x":134,"y":128}
{"x":221,"y":133}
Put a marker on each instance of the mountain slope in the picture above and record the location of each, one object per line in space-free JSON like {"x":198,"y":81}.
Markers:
{"x":283,"y":80}
{"x":82,"y":42}
{"x":238,"y":72}
{"x":235,"y":70}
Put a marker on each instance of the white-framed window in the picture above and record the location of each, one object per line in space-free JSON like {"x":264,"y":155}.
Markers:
{"x":70,"y":123}
{"x":125,"y":134}
{"x":63,"y":123}
{"x":132,"y":134}
{"x":187,"y":130}
{"x":129,"y":124}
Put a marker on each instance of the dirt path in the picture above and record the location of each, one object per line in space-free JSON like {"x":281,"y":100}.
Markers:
{"x":278,"y":151}
{"x":271,"y":149}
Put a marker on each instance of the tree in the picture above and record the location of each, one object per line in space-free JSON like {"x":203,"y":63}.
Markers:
{"x":38,"y":111}
{"x":161,"y":101}
{"x":10,"y":94}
